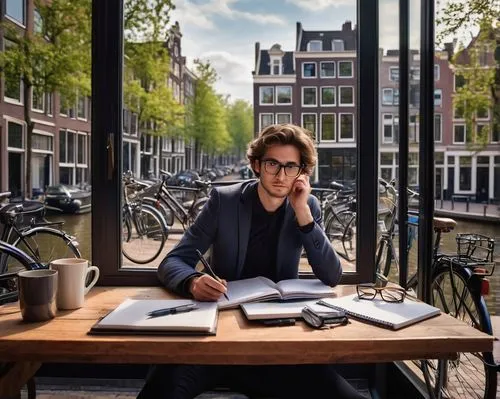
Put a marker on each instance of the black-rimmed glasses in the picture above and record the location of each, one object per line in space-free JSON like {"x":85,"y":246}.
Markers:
{"x":388,"y":294}
{"x":273,"y":167}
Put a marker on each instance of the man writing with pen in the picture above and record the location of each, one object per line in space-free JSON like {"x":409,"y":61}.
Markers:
{"x":255,"y":228}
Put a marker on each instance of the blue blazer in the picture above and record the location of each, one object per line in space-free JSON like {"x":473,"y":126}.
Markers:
{"x":225,"y":223}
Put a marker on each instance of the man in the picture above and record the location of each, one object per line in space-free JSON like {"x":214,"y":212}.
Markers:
{"x":255,"y":228}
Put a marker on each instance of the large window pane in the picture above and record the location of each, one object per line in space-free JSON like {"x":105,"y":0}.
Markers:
{"x":16,"y":10}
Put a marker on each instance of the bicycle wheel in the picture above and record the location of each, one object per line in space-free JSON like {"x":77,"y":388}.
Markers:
{"x":384,"y":257}
{"x":468,"y":376}
{"x":336,"y":223}
{"x":143,"y":236}
{"x":165,"y":211}
{"x":45,"y":244}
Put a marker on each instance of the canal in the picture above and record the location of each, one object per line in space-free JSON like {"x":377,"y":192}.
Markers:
{"x":80,"y":227}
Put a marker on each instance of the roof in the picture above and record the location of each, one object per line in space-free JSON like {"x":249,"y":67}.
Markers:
{"x":348,"y":36}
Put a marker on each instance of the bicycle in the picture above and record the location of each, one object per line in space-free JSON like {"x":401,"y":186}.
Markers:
{"x":459,"y":284}
{"x":144,"y":230}
{"x":25,"y":227}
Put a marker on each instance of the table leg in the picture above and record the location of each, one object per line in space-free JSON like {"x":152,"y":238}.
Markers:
{"x":16,"y":376}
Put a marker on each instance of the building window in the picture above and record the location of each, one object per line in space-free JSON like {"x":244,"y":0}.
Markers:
{"x":345,"y":69}
{"x":479,"y":132}
{"x":437,"y":128}
{"x":315,"y":45}
{"x":15,"y":134}
{"x":276,"y":69}
{"x":266,"y":120}
{"x":438,"y":97}
{"x":327,"y":96}
{"x":465,"y":175}
{"x":50,"y":103}
{"x":327,"y":69}
{"x":387,"y":96}
{"x":283,"y":118}
{"x":309,"y":97}
{"x":389,"y":124}
{"x":37,"y":22}
{"x":37,"y":99}
{"x":266,"y":95}
{"x":328,"y":127}
{"x":346,"y":95}
{"x":337,"y":45}
{"x":414,"y":74}
{"x":309,"y":123}
{"x":413,"y":129}
{"x":284,"y":94}
{"x":81,"y":154}
{"x":82,"y":107}
{"x":436,"y":72}
{"x":394,"y":74}
{"x":483,"y":113}
{"x":459,"y":134}
{"x":346,"y":127}
{"x":13,"y":84}
{"x":495,"y":133}
{"x":415,"y":95}
{"x":16,"y":9}
{"x":133,"y":123}
{"x":459,"y":81}
{"x":309,"y":70}
{"x":459,"y":111}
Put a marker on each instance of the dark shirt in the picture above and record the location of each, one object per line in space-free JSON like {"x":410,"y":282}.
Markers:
{"x":263,"y":240}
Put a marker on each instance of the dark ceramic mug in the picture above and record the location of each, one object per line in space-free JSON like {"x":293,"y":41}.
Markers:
{"x":37,"y":294}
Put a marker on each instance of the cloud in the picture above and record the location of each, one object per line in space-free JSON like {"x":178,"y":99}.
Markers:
{"x":201,"y":15}
{"x":317,"y":5}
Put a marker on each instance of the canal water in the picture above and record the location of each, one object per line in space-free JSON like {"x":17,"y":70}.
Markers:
{"x":80,"y":227}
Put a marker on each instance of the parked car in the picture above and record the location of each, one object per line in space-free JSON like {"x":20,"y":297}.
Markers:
{"x":67,"y":199}
{"x":184,"y":178}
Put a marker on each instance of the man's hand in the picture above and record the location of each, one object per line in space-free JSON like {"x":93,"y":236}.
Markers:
{"x":298,"y":199}
{"x":206,"y":288}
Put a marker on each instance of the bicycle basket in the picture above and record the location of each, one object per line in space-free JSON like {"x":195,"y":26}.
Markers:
{"x":476,"y":247}
{"x":33,"y":211}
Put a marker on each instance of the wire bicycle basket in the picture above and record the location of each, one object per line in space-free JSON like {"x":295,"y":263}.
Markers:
{"x":475,"y":247}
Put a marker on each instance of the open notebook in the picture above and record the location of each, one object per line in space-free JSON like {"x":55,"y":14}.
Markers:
{"x":260,"y":289}
{"x":130,"y":317}
{"x":381,"y":313}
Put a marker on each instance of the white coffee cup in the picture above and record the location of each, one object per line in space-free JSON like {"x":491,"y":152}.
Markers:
{"x":71,"y":288}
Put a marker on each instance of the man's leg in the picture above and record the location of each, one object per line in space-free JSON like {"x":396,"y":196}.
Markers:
{"x":179,"y":381}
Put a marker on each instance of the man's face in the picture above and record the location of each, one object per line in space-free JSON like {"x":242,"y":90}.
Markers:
{"x":278,"y":185}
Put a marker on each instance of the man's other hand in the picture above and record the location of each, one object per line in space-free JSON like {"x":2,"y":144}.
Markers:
{"x":206,"y":288}
{"x":298,"y":199}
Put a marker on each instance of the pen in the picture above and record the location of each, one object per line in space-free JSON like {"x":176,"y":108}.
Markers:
{"x":210,"y":271}
{"x":167,"y":311}
{"x":279,"y":322}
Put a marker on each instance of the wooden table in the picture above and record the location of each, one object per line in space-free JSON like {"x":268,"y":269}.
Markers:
{"x":65,"y":339}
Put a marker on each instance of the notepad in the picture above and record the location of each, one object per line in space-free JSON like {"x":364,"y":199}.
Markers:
{"x":280,"y":310}
{"x":384,"y":314}
{"x":130,"y":317}
{"x":260,"y":289}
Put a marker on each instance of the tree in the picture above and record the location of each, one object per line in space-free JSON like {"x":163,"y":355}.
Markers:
{"x":240,"y":125}
{"x":207,"y":114}
{"x":55,"y":57}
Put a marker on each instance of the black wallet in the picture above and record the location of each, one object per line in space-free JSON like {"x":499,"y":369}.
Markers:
{"x":328,"y":319}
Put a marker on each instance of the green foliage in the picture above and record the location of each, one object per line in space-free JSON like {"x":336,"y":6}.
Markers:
{"x":240,"y":125}
{"x":207,"y":113}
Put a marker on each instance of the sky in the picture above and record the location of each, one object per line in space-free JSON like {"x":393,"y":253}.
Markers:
{"x":225,"y":31}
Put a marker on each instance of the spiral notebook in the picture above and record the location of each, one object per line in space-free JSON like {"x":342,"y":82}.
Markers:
{"x":381,"y":313}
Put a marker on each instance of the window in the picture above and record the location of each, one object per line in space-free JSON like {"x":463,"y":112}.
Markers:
{"x":15,"y":135}
{"x":67,"y":146}
{"x":413,"y":129}
{"x":16,"y":9}
{"x":284,"y":94}
{"x":437,"y":128}
{"x":309,"y":123}
{"x":37,"y":99}
{"x":309,"y":97}
{"x":346,"y":127}
{"x":337,"y":45}
{"x":266,"y":95}
{"x":328,"y":96}
{"x":42,"y":142}
{"x":495,"y":133}
{"x":327,"y":69}
{"x":346,"y":95}
{"x":315,"y":45}
{"x":459,"y":111}
{"x":309,"y":70}
{"x":459,"y":81}
{"x":13,"y":84}
{"x":283,"y":118}
{"x":37,"y":22}
{"x":414,"y":74}
{"x":438,"y":97}
{"x":394,"y":74}
{"x":276,"y":69}
{"x":436,"y":72}
{"x":465,"y":175}
{"x":266,"y":120}
{"x":482,"y":113}
{"x":387,"y":96}
{"x":81,"y":156}
{"x":459,"y":134}
{"x":50,"y":104}
{"x":481,"y":130}
{"x":133,"y":124}
{"x":388,"y":128}
{"x":345,"y":69}
{"x":328,"y":127}
{"x":82,"y":107}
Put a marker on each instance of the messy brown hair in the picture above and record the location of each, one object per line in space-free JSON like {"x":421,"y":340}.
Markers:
{"x":283,"y":134}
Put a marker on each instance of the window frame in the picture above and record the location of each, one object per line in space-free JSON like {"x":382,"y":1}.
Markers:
{"x":334,"y":90}
{"x":440,"y":115}
{"x":261,"y":114}
{"x":260,"y":95}
{"x":315,"y":69}
{"x":348,"y":140}
{"x":321,"y":70}
{"x":392,"y":96}
{"x":37,"y":110}
{"x":283,"y":113}
{"x":384,"y":124}
{"x":338,"y":41}
{"x":391,"y":69}
{"x":338,"y":69}
{"x":321,"y":139}
{"x":454,"y":133}
{"x":440,"y":92}
{"x":315,"y":41}
{"x":303,"y":97}
{"x":315,"y":132}
{"x":276,"y":89}
{"x":340,"y":103}
{"x":15,"y":20}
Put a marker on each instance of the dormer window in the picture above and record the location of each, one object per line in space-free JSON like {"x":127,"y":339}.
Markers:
{"x":276,"y":67}
{"x":315,"y":45}
{"x":337,"y":45}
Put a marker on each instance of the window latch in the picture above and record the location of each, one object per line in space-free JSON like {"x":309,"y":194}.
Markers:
{"x":111,"y":156}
